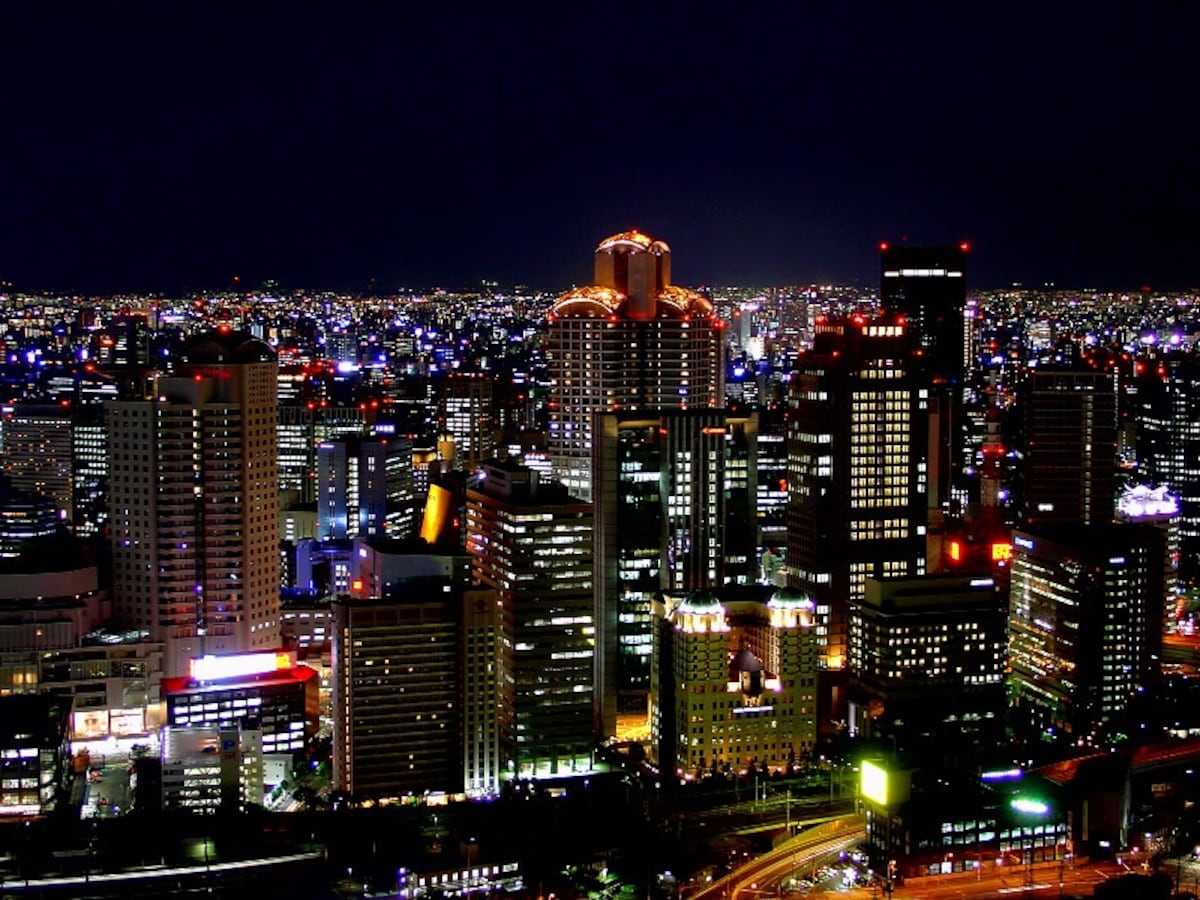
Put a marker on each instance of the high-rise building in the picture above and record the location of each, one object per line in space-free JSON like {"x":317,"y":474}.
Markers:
{"x":734,"y":682}
{"x":396,"y":692}
{"x":927,"y":286}
{"x":364,"y":488}
{"x":532,"y":543}
{"x":193,"y":494}
{"x":1168,"y":444}
{"x":1070,"y":467}
{"x":488,"y":736}
{"x":466,"y":414}
{"x":38,"y":453}
{"x":630,"y":340}
{"x":302,"y":429}
{"x":927,"y":660}
{"x":1085,"y":624}
{"x":857,"y":472}
{"x":675,"y":510}
{"x":1140,"y":503}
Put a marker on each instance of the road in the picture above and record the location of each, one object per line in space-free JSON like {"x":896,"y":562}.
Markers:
{"x":110,"y":795}
{"x":806,"y":849}
{"x":1049,"y":879}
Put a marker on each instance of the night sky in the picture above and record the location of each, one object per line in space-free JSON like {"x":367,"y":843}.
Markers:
{"x":168,"y":146}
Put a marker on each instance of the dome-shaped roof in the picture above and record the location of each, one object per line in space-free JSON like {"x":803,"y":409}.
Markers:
{"x":224,"y":345}
{"x":790,"y":598}
{"x":745,"y":661}
{"x":684,"y":301}
{"x":700,"y":603}
{"x":591,"y":300}
{"x":632,"y":241}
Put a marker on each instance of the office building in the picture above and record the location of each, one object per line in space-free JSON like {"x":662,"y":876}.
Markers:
{"x":302,"y":428}
{"x":38,"y":452}
{"x":675,"y":510}
{"x":488,"y":692}
{"x":467,"y":417}
{"x":1140,"y":503}
{"x":927,"y":286}
{"x":397,"y":702}
{"x":531,"y":542}
{"x":857,"y":471}
{"x":734,"y":681}
{"x":364,"y":488}
{"x":1070,"y":467}
{"x":1168,"y":445}
{"x":193,"y":490}
{"x":1085,"y":625}
{"x":264,"y":691}
{"x":631,"y":340}
{"x":24,"y":516}
{"x":34,"y":755}
{"x":927,"y":663}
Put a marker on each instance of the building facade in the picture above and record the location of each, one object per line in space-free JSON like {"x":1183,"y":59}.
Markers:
{"x":194,"y":498}
{"x":630,"y":340}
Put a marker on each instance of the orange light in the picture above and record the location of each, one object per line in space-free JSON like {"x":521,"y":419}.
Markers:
{"x":964,"y":247}
{"x":1001,"y":551}
{"x":955,"y":551}
{"x":356,"y":584}
{"x":712,"y":429}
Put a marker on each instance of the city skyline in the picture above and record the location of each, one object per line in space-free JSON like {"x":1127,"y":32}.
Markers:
{"x":163,"y":149}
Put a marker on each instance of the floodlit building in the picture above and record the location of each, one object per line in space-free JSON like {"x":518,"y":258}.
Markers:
{"x":33,"y":754}
{"x":206,"y":769}
{"x":631,"y":340}
{"x":734,"y":682}
{"x":1140,"y":503}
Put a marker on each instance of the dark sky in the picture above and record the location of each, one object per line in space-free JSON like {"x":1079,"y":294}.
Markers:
{"x":170,"y":145}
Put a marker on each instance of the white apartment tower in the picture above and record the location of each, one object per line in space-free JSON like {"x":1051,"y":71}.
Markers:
{"x":194,"y":505}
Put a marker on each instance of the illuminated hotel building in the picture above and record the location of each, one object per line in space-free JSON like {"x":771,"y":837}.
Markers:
{"x":857,"y":479}
{"x":532,"y":543}
{"x":1168,"y":444}
{"x":734,"y":681}
{"x":630,"y":340}
{"x":264,"y":691}
{"x":193,"y":491}
{"x":927,"y":661}
{"x":675,"y":510}
{"x":1085,"y":623}
{"x":1070,"y":466}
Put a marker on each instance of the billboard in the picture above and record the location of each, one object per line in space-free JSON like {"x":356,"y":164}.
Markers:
{"x":873,"y":783}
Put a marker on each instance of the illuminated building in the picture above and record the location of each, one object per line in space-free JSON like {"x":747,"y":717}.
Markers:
{"x":38,"y":452}
{"x":302,"y":429}
{"x":734,"y":681}
{"x":631,"y":340}
{"x":264,"y":691}
{"x":1154,"y":506}
{"x":927,"y":661}
{"x":771,"y":470}
{"x":937,"y":820}
{"x":112,"y":684}
{"x":1070,"y":468}
{"x":1085,"y":624}
{"x":675,"y":510}
{"x":488,"y":727}
{"x":193,"y":489}
{"x":24,"y":516}
{"x":1168,"y":445}
{"x":206,"y":769}
{"x":397,"y":704}
{"x":465,"y":411}
{"x":532,"y":543}
{"x":857,"y":479}
{"x":33,"y":754}
{"x":364,"y":488}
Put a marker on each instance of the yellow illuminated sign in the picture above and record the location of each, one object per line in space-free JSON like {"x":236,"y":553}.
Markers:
{"x":873,"y":783}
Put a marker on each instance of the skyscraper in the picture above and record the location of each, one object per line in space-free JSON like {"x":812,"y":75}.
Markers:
{"x":1070,"y":469}
{"x":193,"y":494}
{"x":466,"y":414}
{"x":675,"y":510}
{"x":857,"y":471}
{"x":927,"y":286}
{"x":1085,"y":624}
{"x":532,"y":543}
{"x":364,"y":488}
{"x":630,"y":340}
